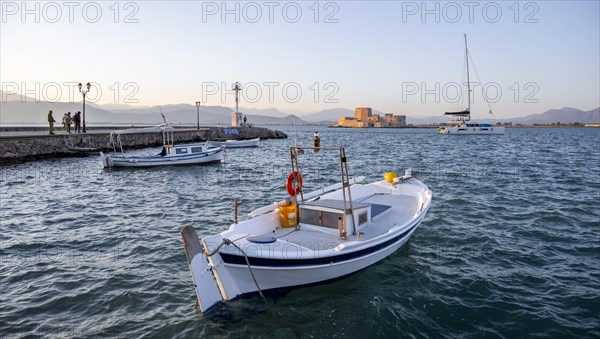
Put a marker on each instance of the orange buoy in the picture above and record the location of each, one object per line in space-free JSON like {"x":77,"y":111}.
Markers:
{"x":294,"y":183}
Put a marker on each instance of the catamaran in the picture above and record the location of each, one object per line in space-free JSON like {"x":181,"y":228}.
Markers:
{"x":460,"y":122}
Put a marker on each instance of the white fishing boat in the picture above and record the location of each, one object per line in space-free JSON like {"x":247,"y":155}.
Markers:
{"x":170,"y":155}
{"x":240,"y":143}
{"x":308,"y":238}
{"x":460,"y":123}
{"x":188,"y":154}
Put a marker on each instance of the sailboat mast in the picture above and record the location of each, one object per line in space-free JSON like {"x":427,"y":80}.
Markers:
{"x":468,"y":84}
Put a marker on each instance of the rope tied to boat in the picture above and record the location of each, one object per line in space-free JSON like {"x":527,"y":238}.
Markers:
{"x":225,"y":242}
{"x":277,"y":316}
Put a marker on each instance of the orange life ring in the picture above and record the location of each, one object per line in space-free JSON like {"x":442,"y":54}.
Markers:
{"x":294,"y":183}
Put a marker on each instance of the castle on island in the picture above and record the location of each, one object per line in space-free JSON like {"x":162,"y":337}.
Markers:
{"x":364,"y":118}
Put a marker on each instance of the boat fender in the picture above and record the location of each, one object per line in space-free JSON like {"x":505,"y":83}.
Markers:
{"x":294,"y":183}
{"x":389,"y":177}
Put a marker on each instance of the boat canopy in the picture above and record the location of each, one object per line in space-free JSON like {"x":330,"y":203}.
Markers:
{"x":464,"y":113}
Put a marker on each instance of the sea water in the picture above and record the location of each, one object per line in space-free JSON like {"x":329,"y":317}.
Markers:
{"x":509,"y":248}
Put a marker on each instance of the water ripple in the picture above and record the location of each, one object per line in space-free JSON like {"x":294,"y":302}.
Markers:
{"x":508,"y":249}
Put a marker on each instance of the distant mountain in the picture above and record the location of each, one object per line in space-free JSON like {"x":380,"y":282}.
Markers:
{"x":112,"y":107}
{"x":564,"y":115}
{"x":266,"y":120}
{"x":32,"y":112}
{"x":13,"y":110}
{"x":328,"y":115}
{"x":297,"y":112}
{"x":269,"y":112}
{"x":37,"y":112}
{"x":425,"y":120}
{"x":178,"y":114}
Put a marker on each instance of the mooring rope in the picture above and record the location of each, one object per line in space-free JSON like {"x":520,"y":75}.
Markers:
{"x":277,"y":316}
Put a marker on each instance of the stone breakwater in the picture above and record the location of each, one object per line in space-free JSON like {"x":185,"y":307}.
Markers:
{"x":25,"y":145}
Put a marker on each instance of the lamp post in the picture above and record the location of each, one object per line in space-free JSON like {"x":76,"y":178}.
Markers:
{"x":198,"y":113}
{"x":84,"y":91}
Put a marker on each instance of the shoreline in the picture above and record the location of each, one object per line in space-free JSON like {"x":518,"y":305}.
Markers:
{"x":438,"y":126}
{"x":44,"y":127}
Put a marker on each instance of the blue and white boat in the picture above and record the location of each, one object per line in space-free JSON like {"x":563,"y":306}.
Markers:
{"x":309,"y":237}
{"x":188,"y":154}
{"x":170,"y":155}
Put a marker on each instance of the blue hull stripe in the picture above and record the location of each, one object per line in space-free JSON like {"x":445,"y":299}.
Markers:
{"x":254,"y":261}
{"x":164,"y":159}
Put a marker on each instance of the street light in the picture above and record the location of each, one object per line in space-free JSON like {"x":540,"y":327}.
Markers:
{"x":84,"y":91}
{"x":198,"y":113}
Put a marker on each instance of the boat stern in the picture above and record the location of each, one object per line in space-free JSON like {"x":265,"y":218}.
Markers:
{"x":212,"y":280}
{"x":106,"y":160}
{"x":207,"y":291}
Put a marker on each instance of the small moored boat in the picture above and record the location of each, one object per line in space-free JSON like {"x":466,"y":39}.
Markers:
{"x":170,"y":155}
{"x":188,"y":154}
{"x":240,"y":143}
{"x":308,"y":238}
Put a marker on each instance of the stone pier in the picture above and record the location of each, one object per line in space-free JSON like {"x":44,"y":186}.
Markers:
{"x":22,"y":144}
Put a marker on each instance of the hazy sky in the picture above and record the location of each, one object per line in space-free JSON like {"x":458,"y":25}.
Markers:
{"x":398,"y":57}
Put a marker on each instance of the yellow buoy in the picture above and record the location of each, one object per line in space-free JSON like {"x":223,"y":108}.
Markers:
{"x":389,"y":177}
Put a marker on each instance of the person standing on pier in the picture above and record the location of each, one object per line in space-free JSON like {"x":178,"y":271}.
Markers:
{"x":51,"y":122}
{"x":68,"y":122}
{"x":77,"y":122}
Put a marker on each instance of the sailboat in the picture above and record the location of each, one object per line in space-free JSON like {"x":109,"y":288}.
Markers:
{"x":460,"y":122}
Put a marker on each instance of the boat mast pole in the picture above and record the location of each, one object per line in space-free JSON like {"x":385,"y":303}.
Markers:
{"x":468,"y":84}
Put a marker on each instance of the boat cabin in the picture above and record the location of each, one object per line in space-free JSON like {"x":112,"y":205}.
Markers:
{"x":170,"y":150}
{"x":331,"y":217}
